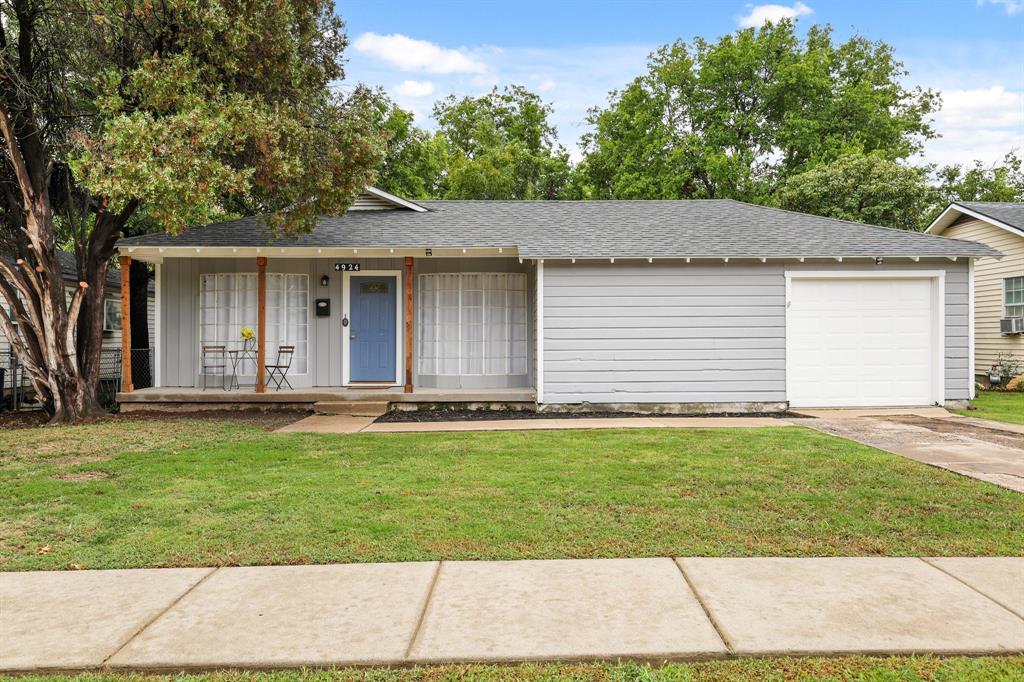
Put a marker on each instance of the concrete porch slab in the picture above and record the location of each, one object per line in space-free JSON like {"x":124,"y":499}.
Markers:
{"x":60,"y":620}
{"x":998,"y":578}
{"x":563,"y":609}
{"x":837,"y":605}
{"x":281,"y":616}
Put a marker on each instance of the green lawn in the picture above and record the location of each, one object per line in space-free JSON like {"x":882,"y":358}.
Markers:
{"x":138,"y":493}
{"x":1003,"y":406}
{"x":859,"y":668}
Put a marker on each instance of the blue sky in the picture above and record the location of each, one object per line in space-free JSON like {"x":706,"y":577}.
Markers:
{"x":573,"y":53}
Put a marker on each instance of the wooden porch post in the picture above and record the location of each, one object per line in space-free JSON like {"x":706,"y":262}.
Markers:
{"x":261,"y":324}
{"x":126,"y":324}
{"x":408,"y":324}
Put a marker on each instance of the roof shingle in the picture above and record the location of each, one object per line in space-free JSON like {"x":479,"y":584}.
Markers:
{"x":564,"y":229}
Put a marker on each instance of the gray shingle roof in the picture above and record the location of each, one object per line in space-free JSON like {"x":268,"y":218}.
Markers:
{"x":1009,"y":212}
{"x":553,"y":229}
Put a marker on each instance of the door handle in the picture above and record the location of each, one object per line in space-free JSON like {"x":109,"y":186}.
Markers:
{"x":352,"y":336}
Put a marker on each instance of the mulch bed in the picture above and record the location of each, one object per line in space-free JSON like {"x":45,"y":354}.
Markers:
{"x":401,"y":416}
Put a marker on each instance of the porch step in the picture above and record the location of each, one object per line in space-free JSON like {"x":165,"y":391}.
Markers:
{"x":355,"y":408}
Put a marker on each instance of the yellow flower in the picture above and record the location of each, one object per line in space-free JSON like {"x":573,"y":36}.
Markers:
{"x":248,"y":334}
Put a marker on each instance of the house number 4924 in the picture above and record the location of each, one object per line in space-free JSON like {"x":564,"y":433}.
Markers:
{"x":346,"y":267}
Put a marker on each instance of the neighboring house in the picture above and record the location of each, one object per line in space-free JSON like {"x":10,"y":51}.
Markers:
{"x":716,"y":305}
{"x":111,"y":306}
{"x":998,"y":283}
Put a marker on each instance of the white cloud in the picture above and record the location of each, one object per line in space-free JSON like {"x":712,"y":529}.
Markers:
{"x":1011,"y":6}
{"x":410,"y":88}
{"x":978,"y":123}
{"x":546,"y":85}
{"x":761,"y":14}
{"x":410,"y":54}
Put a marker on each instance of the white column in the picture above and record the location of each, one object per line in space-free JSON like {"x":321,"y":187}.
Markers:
{"x":971,"y":369}
{"x":540,"y":330}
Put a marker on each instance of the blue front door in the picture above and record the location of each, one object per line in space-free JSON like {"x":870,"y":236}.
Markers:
{"x":372,"y":329}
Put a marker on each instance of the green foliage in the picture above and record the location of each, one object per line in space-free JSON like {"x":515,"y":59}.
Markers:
{"x":977,"y":182}
{"x":736,"y":117}
{"x":865,"y":188}
{"x":193,"y":106}
{"x":415,"y":162}
{"x":501,"y":146}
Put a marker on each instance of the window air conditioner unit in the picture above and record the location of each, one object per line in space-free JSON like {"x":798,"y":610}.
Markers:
{"x":1011,"y":325}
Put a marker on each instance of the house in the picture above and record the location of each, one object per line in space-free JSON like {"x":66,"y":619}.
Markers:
{"x":998,"y":283}
{"x":711,"y":305}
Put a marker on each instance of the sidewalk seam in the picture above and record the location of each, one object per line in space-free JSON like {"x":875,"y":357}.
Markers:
{"x":972,"y":587}
{"x":707,"y":612}
{"x":157,"y":617}
{"x":423,"y":612}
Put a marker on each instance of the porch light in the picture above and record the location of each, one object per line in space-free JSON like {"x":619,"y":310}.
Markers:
{"x":325,"y":280}
{"x":879,"y":260}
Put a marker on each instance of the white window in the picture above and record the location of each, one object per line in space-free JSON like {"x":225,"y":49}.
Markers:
{"x":228,"y":303}
{"x":111,"y":315}
{"x":1013,"y":297}
{"x":472,"y":324}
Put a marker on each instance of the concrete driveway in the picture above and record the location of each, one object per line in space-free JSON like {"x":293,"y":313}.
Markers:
{"x":987,"y":450}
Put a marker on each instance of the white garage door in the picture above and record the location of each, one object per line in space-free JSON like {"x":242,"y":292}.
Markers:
{"x":861,"y":342}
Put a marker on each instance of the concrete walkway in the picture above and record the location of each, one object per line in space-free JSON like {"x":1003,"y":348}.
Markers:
{"x":330,"y":423}
{"x":987,"y":450}
{"x":507,"y":611}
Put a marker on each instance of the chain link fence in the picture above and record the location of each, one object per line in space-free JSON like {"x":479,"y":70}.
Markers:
{"x":16,"y":392}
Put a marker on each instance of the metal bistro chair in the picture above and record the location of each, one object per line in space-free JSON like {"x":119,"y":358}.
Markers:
{"x":278,"y":372}
{"x":215,"y":362}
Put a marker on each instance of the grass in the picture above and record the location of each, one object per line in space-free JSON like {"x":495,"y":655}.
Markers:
{"x":859,"y":668}
{"x":148,"y":493}
{"x":1001,"y":406}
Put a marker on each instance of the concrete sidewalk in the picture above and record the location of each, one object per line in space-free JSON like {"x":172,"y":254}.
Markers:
{"x":336,"y":423}
{"x":507,"y":611}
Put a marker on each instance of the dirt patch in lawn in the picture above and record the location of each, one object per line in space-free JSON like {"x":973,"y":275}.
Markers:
{"x":955,"y":427}
{"x":83,"y":476}
{"x":406,"y":416}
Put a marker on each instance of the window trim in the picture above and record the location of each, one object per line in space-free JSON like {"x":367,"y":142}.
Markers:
{"x":421,"y":289}
{"x":1005,"y":306}
{"x":106,"y":302}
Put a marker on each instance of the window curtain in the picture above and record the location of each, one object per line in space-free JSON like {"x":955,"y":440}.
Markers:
{"x":472,"y":324}
{"x":228,"y":302}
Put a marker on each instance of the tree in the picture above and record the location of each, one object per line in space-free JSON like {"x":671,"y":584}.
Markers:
{"x":737,"y":117}
{"x":189,"y":110}
{"x":501,"y":146}
{"x":978,"y":182}
{"x":865,"y":188}
{"x":415,"y":162}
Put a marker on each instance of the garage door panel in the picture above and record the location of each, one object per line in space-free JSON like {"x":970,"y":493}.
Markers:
{"x":861,"y":342}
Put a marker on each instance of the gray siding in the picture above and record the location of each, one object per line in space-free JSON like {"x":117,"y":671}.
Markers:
{"x":633,"y":332}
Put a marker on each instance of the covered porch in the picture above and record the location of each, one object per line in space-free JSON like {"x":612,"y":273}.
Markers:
{"x":453,"y":326}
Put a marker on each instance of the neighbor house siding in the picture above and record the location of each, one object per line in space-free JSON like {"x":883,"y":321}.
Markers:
{"x":988,"y":288}
{"x":633,"y":332}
